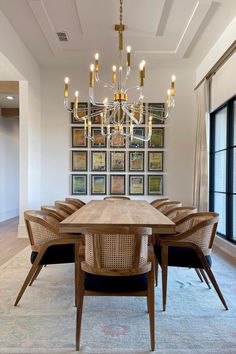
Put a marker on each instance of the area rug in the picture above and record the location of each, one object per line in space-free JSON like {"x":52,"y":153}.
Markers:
{"x":44,"y":321}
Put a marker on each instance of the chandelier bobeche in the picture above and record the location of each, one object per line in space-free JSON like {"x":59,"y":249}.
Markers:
{"x":119,"y":112}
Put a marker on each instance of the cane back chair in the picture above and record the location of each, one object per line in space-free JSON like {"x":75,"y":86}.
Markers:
{"x":115,"y":197}
{"x":67,"y":207}
{"x":77,"y":202}
{"x":52,"y":210}
{"x":157,"y":202}
{"x":190,"y":248}
{"x":115,"y":262}
{"x":167,"y":206}
{"x":48,"y":245}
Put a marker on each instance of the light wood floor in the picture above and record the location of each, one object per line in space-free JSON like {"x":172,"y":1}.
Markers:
{"x":10,"y":245}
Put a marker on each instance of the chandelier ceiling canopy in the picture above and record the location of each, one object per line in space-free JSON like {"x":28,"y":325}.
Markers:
{"x":119,"y":112}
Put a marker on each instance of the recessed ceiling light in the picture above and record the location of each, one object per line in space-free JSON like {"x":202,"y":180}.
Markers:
{"x":10,"y":98}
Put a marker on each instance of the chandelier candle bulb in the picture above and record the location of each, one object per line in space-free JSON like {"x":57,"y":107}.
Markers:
{"x":168,"y":99}
{"x":76,"y":101}
{"x":128,"y":55}
{"x":89,"y":128}
{"x":114,"y":74}
{"x":141,"y":74}
{"x":143,"y":63}
{"x":173,"y":78}
{"x":91,"y":81}
{"x":66,"y":89}
{"x":96,"y":62}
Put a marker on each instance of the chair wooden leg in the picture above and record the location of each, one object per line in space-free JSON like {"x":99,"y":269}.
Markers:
{"x":80,"y":298}
{"x":214,"y":283}
{"x":36,"y":274}
{"x":199,"y":274}
{"x":156,"y":271}
{"x":205,"y":278}
{"x":151,"y":306}
{"x":26,"y":282}
{"x":164,"y":265}
{"x":76,"y":274}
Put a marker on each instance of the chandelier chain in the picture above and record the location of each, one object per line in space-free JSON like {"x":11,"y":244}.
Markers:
{"x":121,"y":11}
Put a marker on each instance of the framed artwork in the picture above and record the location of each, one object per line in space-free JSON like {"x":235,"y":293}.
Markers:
{"x":117,"y":160}
{"x":98,"y":184}
{"x":158,"y":113}
{"x":96,"y":112}
{"x":136,"y":161}
{"x":136,"y":114}
{"x":135,"y":143}
{"x":157,"y":138}
{"x":79,"y":184}
{"x":98,"y":140}
{"x":78,"y":137}
{"x":117,"y":141}
{"x":155,"y":184}
{"x":117,"y":184}
{"x":136,"y":184}
{"x":155,"y":160}
{"x":79,"y":160}
{"x":98,"y":160}
{"x":82,"y":111}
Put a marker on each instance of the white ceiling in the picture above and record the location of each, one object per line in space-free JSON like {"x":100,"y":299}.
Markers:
{"x":173,"y":33}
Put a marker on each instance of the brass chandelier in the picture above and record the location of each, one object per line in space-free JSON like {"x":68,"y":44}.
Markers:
{"x":119,"y":112}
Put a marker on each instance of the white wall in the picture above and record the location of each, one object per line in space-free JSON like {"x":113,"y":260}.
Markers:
{"x":180,"y":133}
{"x":18,"y":64}
{"x":9,"y":171}
{"x":219,"y":48}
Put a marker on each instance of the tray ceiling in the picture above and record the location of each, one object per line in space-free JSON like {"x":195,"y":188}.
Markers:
{"x":174,"y":33}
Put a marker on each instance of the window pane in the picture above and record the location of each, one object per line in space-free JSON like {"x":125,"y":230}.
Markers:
{"x":220,"y":208}
{"x":220,"y":129}
{"x":220,"y":171}
{"x":234,"y":171}
{"x":234,"y":217}
{"x":234,"y":122}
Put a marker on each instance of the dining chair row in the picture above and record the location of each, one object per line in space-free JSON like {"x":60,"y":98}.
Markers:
{"x":109,"y":263}
{"x":190,"y":247}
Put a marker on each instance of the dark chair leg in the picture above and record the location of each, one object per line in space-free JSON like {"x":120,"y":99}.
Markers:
{"x":36,"y":274}
{"x":26,"y":282}
{"x":151,"y":306}
{"x":156,"y":272}
{"x":214,"y":283}
{"x":164,"y":265}
{"x":199,"y":274}
{"x":205,"y":278}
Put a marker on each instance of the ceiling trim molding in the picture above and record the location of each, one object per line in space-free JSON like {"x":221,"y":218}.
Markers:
{"x":41,"y":15}
{"x":163,"y":17}
{"x":200,"y":11}
{"x":78,"y":16}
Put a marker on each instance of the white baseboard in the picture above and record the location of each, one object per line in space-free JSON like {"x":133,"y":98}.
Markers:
{"x":9,"y":214}
{"x":22,"y":231}
{"x":225,"y":246}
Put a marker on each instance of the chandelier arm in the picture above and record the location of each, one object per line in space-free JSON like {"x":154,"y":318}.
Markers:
{"x":66,"y":105}
{"x":103,"y":83}
{"x":130,"y":115}
{"x":133,"y":88}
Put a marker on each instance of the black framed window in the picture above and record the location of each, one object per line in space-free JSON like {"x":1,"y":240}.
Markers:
{"x":223,"y":167}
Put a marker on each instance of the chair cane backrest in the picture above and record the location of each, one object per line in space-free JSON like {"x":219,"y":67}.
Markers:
{"x":77,"y":202}
{"x":115,"y":197}
{"x":41,"y":228}
{"x":51,"y":210}
{"x":119,"y":252}
{"x":200,"y":229}
{"x":167,"y":206}
{"x":178,"y":213}
{"x":69,"y":208}
{"x":157,"y":202}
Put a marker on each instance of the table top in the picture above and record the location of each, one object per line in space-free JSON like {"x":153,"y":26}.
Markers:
{"x":117,"y":213}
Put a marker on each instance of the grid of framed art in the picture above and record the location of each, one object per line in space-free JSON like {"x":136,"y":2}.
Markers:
{"x":116,"y":166}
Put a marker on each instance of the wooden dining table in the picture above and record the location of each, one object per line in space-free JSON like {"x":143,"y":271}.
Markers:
{"x":129,"y":213}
